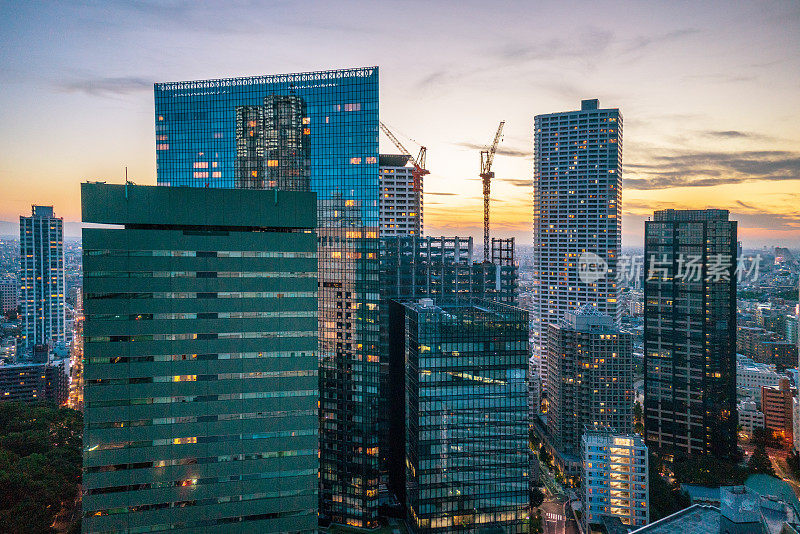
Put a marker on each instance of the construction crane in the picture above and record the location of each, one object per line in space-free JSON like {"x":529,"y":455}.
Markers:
{"x":487,"y":157}
{"x":419,"y":169}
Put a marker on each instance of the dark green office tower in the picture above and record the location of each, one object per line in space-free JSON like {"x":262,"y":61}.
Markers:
{"x":200,"y":372}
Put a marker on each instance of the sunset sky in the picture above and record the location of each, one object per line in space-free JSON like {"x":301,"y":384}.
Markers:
{"x":709,"y":92}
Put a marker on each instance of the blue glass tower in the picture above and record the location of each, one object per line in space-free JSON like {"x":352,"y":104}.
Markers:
{"x":315,"y":131}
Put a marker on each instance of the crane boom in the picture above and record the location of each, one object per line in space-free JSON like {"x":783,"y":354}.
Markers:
{"x":417,"y":172}
{"x":487,"y":158}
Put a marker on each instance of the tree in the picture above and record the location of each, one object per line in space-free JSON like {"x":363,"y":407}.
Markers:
{"x":40,"y":464}
{"x":766,"y":438}
{"x":760,"y":462}
{"x":545,"y":457}
{"x":536,"y":522}
{"x":536,"y":497}
{"x":665,"y":498}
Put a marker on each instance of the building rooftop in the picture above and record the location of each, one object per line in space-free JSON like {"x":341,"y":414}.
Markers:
{"x":588,"y":317}
{"x":393,"y":160}
{"x":143,"y":204}
{"x":691,"y":215}
{"x":696,"y":519}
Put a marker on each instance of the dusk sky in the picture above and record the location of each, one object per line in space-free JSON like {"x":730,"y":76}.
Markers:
{"x":709,"y":92}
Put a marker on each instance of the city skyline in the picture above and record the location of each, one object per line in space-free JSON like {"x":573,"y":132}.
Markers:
{"x":706,"y":94}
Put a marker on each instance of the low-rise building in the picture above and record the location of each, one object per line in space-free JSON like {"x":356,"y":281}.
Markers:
{"x":615,"y":478}
{"x":750,"y":417}
{"x":35,"y":382}
{"x":776,"y":404}
{"x":751,"y":376}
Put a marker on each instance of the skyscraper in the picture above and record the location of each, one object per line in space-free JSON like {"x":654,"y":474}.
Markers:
{"x":465,"y":426}
{"x":400,"y":204}
{"x":200,"y":350}
{"x":203,"y":138}
{"x":42,"y":290}
{"x":590,"y":381}
{"x":576,"y":215}
{"x":414,"y":267}
{"x":690,"y":332}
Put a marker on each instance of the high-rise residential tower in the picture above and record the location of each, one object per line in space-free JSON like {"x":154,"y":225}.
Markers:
{"x":690,"y":332}
{"x":400,"y":204}
{"x":590,"y":381}
{"x":576,"y":215}
{"x":200,"y":351}
{"x":41,"y":275}
{"x":319,"y":128}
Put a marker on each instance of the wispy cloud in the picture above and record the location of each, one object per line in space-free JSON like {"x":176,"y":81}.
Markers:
{"x":734,"y":134}
{"x":704,"y":169}
{"x":107,"y":86}
{"x":646,"y":41}
{"x":516,"y":182}
{"x":501,"y":150}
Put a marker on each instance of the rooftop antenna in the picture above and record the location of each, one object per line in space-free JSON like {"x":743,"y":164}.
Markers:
{"x":126,"y":182}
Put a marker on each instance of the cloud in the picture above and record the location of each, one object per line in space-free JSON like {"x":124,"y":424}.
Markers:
{"x":501,"y":150}
{"x":588,"y":41}
{"x":645,"y":41}
{"x":733,"y":134}
{"x":516,"y":182}
{"x":429,"y":193}
{"x":705,"y":169}
{"x":107,"y":86}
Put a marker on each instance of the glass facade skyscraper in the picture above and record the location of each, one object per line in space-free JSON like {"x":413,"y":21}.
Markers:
{"x":690,"y":332}
{"x":41,"y":276}
{"x":414,"y":267}
{"x":284,"y":131}
{"x":466,"y":431}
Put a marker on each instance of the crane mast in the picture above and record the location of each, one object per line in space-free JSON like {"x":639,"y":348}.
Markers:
{"x":487,"y":158}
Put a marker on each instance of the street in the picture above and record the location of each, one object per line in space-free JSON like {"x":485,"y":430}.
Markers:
{"x":557,"y":518}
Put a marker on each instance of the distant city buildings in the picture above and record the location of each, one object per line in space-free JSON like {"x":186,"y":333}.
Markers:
{"x":400,"y":204}
{"x":465,"y":426}
{"x":690,"y":332}
{"x":576,"y":215}
{"x":615,"y":478}
{"x":41,"y":276}
{"x":589,"y":381}
{"x":9,"y":294}
{"x":201,"y":369}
